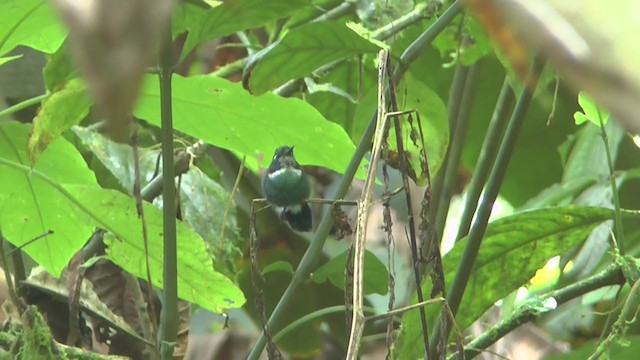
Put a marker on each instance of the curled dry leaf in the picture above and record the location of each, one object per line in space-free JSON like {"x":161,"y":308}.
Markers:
{"x":341,"y":223}
{"x":113,"y":41}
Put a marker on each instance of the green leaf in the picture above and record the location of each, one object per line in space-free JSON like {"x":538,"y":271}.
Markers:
{"x":587,"y":156}
{"x":303,"y":50}
{"x":61,"y":110}
{"x":59,"y":69}
{"x":61,"y":194}
{"x":32,"y":23}
{"x":352,"y":78}
{"x":224,"y":114}
{"x":202,"y":200}
{"x":590,"y":111}
{"x":30,"y":205}
{"x":516,"y":246}
{"x":307,"y":299}
{"x":413,"y":94}
{"x":229,"y":17}
{"x":6,"y":59}
{"x":375,"y":273}
{"x":279,"y":265}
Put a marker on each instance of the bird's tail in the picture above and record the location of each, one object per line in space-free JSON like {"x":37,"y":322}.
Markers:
{"x":298,"y":217}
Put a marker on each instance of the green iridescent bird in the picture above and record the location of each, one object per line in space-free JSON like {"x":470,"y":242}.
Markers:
{"x":285,"y":185}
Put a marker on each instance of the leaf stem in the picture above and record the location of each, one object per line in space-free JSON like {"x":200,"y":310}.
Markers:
{"x":318,"y":314}
{"x":484,"y":210}
{"x":169,"y":314}
{"x":344,"y":8}
{"x":614,"y":187}
{"x":23,"y":105}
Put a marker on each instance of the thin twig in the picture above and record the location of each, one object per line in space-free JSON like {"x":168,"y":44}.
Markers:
{"x":358,"y":320}
{"x":23,"y":105}
{"x":234,"y":189}
{"x":145,"y":235}
{"x":22,"y":246}
{"x":388,"y":229}
{"x":258,"y":281}
{"x":404,"y":167}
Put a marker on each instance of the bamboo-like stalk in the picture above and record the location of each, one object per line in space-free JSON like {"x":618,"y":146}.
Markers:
{"x":169,"y":315}
{"x":455,"y":148}
{"x":486,"y":157}
{"x":479,"y":227}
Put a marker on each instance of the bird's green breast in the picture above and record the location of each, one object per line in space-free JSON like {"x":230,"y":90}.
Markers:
{"x":285,"y":187}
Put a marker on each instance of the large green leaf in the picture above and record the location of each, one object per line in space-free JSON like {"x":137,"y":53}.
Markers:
{"x":61,"y":110}
{"x":229,"y":17}
{"x":30,"y":205}
{"x":224,"y":114}
{"x":61,"y":194}
{"x":32,"y":23}
{"x":202,"y":200}
{"x":303,"y":50}
{"x":513,"y":249}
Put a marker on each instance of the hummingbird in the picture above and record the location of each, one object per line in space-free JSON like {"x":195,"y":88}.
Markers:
{"x":285,"y":185}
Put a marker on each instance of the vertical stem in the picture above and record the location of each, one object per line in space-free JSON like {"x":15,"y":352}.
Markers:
{"x":614,"y":188}
{"x":393,"y":103}
{"x":358,"y":319}
{"x":455,"y":150}
{"x":169,"y":315}
{"x":491,"y":193}
{"x":19,"y":272}
{"x":453,"y":108}
{"x":487,"y":155}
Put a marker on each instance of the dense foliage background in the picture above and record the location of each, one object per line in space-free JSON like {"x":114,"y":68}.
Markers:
{"x":531,"y":202}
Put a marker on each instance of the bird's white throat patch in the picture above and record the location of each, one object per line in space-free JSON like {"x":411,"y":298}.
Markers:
{"x":285,"y":171}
